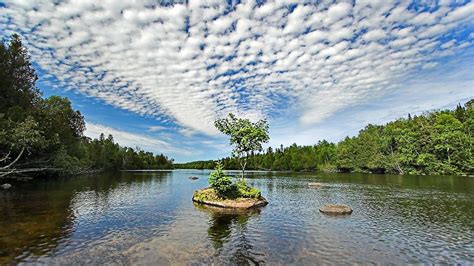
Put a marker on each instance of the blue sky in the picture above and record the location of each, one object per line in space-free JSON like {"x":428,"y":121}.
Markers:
{"x":158,"y":76}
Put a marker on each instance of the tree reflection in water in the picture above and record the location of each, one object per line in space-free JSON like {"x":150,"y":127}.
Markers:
{"x":229,"y":225}
{"x":39,"y":215}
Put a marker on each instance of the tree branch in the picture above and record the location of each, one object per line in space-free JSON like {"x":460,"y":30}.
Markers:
{"x":6,"y":157}
{"x":14,"y":161}
{"x":6,"y":172}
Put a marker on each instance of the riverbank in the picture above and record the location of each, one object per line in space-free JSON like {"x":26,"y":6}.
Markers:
{"x":248,"y":171}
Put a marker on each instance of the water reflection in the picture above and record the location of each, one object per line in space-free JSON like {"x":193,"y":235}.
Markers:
{"x":223,"y":221}
{"x":39,"y":216}
{"x":149,"y":218}
{"x":49,"y":221}
{"x":230,"y":226}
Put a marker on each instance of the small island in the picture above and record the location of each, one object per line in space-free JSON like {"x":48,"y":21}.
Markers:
{"x":225,"y":194}
{"x":246,"y":137}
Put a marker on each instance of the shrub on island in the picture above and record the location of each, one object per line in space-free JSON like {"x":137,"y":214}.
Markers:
{"x":223,"y":193}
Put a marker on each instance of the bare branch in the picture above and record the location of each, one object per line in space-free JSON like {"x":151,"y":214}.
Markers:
{"x":6,"y":157}
{"x":7,"y":173}
{"x":14,"y":161}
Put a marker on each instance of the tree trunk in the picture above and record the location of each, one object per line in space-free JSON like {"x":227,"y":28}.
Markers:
{"x":14,"y":173}
{"x":449,"y":158}
{"x":243,"y":164}
{"x":399,"y":169}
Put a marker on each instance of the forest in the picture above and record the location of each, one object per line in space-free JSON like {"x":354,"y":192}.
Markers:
{"x":46,"y":135}
{"x":433,"y":143}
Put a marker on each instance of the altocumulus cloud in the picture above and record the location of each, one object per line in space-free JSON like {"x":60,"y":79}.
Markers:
{"x":193,"y":63}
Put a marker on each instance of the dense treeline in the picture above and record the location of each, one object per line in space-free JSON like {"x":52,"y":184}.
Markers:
{"x":38,"y":134}
{"x":294,"y":158}
{"x":438,"y":142}
{"x":104,"y":153}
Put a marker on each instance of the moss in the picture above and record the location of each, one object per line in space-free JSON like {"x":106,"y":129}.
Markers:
{"x":240,"y":190}
{"x":206,"y":195}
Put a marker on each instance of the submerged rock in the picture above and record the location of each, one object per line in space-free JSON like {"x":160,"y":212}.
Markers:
{"x":193,"y":177}
{"x":204,"y":196}
{"x":6,"y":186}
{"x":316,"y":185}
{"x":335,"y":209}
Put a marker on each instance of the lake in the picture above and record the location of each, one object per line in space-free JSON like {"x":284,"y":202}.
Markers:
{"x":149,"y":218}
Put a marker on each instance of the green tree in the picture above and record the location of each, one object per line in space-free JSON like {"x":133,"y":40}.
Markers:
{"x":246,"y":136}
{"x":449,"y":139}
{"x":37,"y":133}
{"x":221,"y":183}
{"x":17,"y":78}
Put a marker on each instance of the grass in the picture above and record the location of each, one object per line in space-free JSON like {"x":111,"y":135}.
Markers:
{"x":240,"y":190}
{"x":207,"y":194}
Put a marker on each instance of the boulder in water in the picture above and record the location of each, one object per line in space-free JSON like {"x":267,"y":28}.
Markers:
{"x":193,"y":177}
{"x":335,"y":209}
{"x":316,"y":185}
{"x":6,"y":186}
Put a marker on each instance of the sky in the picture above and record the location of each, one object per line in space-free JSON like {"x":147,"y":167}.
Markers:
{"x":157,"y":75}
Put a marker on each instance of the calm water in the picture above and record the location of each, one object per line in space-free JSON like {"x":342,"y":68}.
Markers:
{"x":148,"y":218}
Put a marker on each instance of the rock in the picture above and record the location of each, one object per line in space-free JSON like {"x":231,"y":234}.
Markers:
{"x":193,"y":177}
{"x":219,"y":210}
{"x":335,"y":209}
{"x":240,"y":203}
{"x":6,"y":186}
{"x":315,"y":185}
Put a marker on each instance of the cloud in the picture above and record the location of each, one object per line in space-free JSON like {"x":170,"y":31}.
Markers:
{"x":190,"y":64}
{"x":374,"y":35}
{"x":337,"y":11}
{"x":133,"y":140}
{"x":156,"y":128}
{"x":430,"y":65}
{"x":186,"y":132}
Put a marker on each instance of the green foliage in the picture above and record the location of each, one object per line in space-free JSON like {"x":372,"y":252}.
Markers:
{"x":69,"y":164}
{"x":224,"y":188}
{"x":295,"y":158}
{"x":196,"y":165}
{"x":438,"y":142}
{"x":48,"y":133}
{"x":221,"y":183}
{"x":206,"y":195}
{"x":17,"y":79}
{"x":26,"y":133}
{"x":246,"y":136}
{"x":104,"y":153}
{"x":245,"y":191}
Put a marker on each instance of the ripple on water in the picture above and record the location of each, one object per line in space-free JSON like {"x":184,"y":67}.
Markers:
{"x":148,"y":218}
